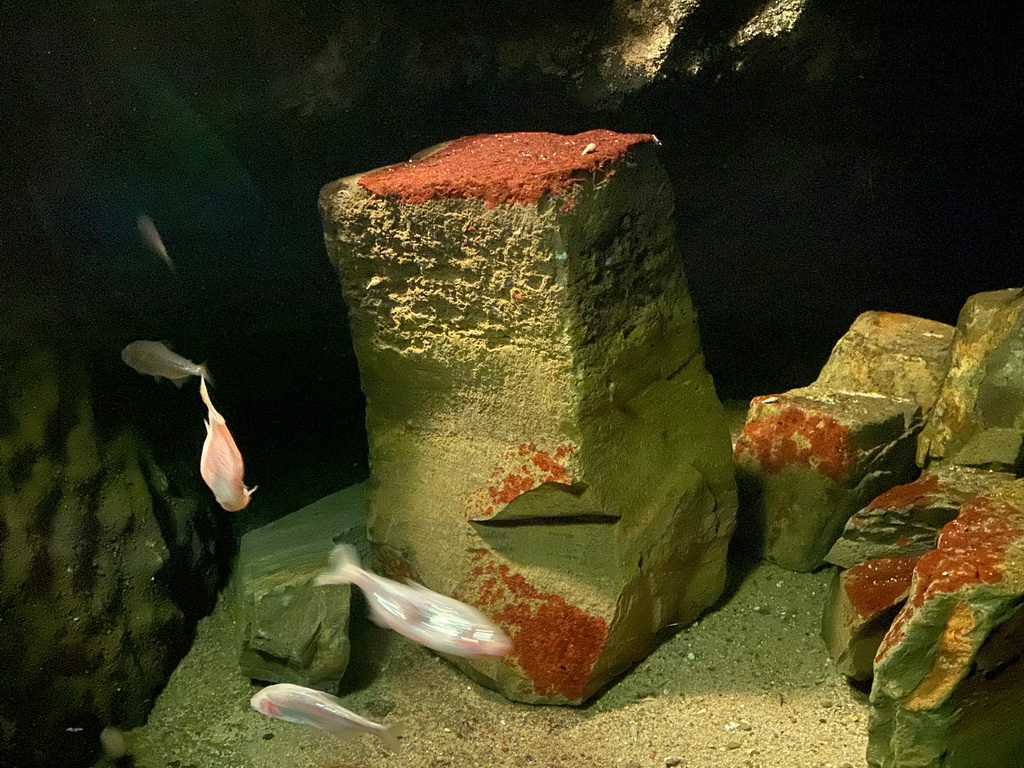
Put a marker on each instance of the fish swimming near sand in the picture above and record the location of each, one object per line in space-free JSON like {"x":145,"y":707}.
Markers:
{"x":154,"y":358}
{"x":306,"y":706}
{"x":424,"y":616}
{"x":221,"y":463}
{"x":155,"y":243}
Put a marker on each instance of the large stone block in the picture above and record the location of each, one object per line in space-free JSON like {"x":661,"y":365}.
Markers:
{"x":949,"y":675}
{"x":980,"y":411}
{"x":891,"y":354}
{"x":290,"y":631}
{"x":545,"y":441}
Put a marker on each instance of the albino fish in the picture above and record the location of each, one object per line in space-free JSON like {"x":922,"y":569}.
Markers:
{"x":221,"y":463}
{"x":153,"y":240}
{"x":153,"y":358}
{"x":422,"y":615}
{"x":307,"y":706}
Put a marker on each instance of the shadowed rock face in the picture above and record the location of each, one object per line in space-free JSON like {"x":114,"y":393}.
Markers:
{"x":545,"y":441}
{"x":103,"y":570}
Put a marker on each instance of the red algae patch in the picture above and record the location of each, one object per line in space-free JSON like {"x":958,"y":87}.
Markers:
{"x":918,"y":494}
{"x":878,"y":584}
{"x":972,"y":550}
{"x":503,"y":167}
{"x":555,"y":643}
{"x":793,"y":435}
{"x":522,"y":469}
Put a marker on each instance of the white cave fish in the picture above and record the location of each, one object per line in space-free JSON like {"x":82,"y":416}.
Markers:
{"x":306,"y":706}
{"x":153,"y":240}
{"x":424,"y":616}
{"x":153,"y":358}
{"x":221,"y":464}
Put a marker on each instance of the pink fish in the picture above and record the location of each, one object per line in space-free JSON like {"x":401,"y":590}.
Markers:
{"x":306,"y":706}
{"x":221,"y":464}
{"x":424,"y":616}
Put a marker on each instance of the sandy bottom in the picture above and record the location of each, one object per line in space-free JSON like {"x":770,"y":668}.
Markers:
{"x":749,"y":685}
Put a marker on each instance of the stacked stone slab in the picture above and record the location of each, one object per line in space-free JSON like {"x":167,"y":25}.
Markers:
{"x":949,"y":676}
{"x":808,"y":459}
{"x":545,"y":441}
{"x":878,"y":550}
{"x":862,"y":602}
{"x":289,"y":630}
{"x":905,"y":520}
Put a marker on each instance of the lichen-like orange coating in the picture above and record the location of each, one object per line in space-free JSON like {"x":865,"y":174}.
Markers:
{"x":878,"y":584}
{"x":786,"y":435}
{"x":556,"y":644}
{"x":503,"y":167}
{"x":972,"y":550}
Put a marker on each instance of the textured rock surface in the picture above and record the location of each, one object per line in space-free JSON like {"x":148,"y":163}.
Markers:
{"x":103,"y":566}
{"x":905,"y":520}
{"x":545,"y":441}
{"x":808,"y":459}
{"x":984,"y":390}
{"x":890,"y":354}
{"x":291,"y":631}
{"x":862,"y":603}
{"x":949,"y":675}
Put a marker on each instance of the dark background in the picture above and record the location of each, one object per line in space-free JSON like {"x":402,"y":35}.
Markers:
{"x":870,"y":158}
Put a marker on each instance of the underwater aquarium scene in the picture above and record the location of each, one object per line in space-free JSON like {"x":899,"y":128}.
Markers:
{"x":611,"y":384}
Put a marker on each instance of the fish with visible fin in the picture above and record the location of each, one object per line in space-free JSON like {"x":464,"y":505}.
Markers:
{"x":155,"y":243}
{"x":221,"y":463}
{"x":154,"y":358}
{"x":424,"y":616}
{"x":307,"y":706}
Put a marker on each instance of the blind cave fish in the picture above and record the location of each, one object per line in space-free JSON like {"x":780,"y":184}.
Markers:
{"x":221,"y":464}
{"x":151,"y":237}
{"x":424,"y":616}
{"x":306,"y":706}
{"x":153,"y":358}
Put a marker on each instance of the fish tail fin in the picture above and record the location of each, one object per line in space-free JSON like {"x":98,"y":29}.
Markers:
{"x":343,"y":568}
{"x":205,"y":395}
{"x":389,"y":734}
{"x":204,"y":374}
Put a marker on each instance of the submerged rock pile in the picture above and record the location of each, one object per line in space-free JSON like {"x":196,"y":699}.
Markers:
{"x":927,"y":605}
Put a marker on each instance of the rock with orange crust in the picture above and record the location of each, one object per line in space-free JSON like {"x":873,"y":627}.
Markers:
{"x":948,"y":687}
{"x":809,"y":458}
{"x":545,"y":441}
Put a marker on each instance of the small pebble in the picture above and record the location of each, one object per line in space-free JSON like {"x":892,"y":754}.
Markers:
{"x":674,"y":761}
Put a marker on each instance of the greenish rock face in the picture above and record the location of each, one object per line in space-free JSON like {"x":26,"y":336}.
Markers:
{"x":545,"y":441}
{"x":290,"y":631}
{"x":810,"y":458}
{"x":103,"y":567}
{"x":979,"y":416}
